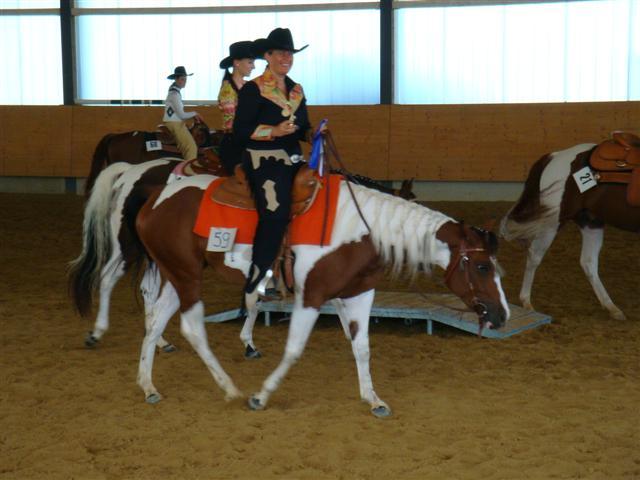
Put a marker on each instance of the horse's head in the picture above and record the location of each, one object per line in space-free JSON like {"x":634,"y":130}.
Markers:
{"x":473,"y":272}
{"x":201,"y":134}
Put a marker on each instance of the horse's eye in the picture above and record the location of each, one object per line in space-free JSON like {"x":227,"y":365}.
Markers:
{"x":483,"y":268}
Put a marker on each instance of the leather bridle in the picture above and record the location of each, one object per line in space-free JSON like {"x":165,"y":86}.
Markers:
{"x":462,"y":260}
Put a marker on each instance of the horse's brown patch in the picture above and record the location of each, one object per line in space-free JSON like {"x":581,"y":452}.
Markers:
{"x":604,"y":204}
{"x":528,"y":206}
{"x":351,"y":269}
{"x":353,"y":329}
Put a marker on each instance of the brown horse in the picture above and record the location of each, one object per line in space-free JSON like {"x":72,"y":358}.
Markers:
{"x":552,"y":197}
{"x":396,"y":233}
{"x":131,"y":147}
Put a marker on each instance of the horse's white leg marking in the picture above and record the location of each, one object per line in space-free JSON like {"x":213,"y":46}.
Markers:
{"x":357,"y":309}
{"x":342,"y":315}
{"x":302,"y":322}
{"x":150,"y":290}
{"x":192,"y":327}
{"x":539,"y":246}
{"x":110,"y":274}
{"x":166,"y":305}
{"x":246,"y":334}
{"x":591,"y":245}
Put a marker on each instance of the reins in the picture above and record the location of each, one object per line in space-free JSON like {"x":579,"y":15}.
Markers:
{"x":328,"y":140}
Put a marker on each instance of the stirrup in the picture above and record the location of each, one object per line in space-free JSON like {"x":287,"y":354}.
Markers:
{"x":261,"y":289}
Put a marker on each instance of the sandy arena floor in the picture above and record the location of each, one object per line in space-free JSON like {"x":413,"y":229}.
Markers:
{"x":556,"y":403}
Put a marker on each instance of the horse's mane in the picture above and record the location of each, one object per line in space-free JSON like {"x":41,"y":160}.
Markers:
{"x":403,"y":232}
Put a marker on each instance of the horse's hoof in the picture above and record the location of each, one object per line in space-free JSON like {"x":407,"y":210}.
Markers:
{"x":251,"y":353}
{"x":153,"y":398}
{"x":618,"y":315}
{"x":90,"y":341}
{"x":381,"y":411}
{"x":255,"y":404}
{"x":169,"y":348}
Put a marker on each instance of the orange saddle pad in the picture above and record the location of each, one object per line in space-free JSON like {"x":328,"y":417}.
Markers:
{"x":305,"y":229}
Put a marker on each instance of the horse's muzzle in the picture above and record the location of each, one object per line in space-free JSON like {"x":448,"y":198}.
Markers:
{"x":490,"y":315}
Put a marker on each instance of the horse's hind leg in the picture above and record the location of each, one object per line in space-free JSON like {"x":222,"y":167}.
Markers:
{"x":538,"y":247}
{"x":192,"y":327}
{"x":109,"y":276}
{"x":591,"y":245}
{"x":246,"y":334}
{"x":300,"y":326}
{"x":161,"y":311}
{"x":355,"y":313}
{"x":150,"y":290}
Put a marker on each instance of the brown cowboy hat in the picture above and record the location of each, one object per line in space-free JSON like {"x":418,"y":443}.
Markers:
{"x":179,"y":72}
{"x":238,"y":51}
{"x":278,"y":39}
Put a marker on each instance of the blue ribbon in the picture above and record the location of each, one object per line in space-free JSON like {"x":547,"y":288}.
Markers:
{"x":317,"y":150}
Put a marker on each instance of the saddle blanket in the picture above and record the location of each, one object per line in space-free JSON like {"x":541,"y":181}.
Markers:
{"x":305,"y":229}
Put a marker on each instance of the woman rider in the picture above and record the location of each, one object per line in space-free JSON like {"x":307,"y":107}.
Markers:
{"x":241,"y":59}
{"x":175,"y":116}
{"x":270,"y":121}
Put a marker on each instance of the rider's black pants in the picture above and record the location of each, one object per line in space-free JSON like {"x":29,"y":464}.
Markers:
{"x":270,"y":174}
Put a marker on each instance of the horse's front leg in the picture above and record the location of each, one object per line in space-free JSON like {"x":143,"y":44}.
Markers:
{"x":246,"y":334}
{"x":161,"y":311}
{"x":355,"y":313}
{"x":538,"y":247}
{"x":300,"y":326}
{"x":192,"y":327}
{"x":591,"y":245}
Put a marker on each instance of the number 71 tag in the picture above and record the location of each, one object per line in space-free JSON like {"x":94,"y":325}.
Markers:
{"x":584,"y":179}
{"x":221,"y":239}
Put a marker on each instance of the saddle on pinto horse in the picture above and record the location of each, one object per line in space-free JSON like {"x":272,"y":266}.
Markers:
{"x":617,"y":160}
{"x":235,"y":191}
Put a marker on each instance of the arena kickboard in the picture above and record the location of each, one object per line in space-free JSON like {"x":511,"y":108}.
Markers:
{"x":415,"y":306}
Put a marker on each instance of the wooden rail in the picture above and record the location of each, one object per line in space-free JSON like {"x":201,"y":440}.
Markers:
{"x":386,"y":142}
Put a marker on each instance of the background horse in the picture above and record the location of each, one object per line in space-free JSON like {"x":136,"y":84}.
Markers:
{"x":550,"y":199}
{"x":130,"y":147}
{"x":400,"y":234}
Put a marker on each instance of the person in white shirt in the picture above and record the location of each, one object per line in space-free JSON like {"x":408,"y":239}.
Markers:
{"x":175,"y":116}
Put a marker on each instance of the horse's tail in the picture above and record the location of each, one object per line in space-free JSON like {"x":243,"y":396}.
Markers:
{"x":84,"y":273}
{"x":99,"y":161}
{"x":523,"y":221}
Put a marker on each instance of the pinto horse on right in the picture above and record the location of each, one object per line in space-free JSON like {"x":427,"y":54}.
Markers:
{"x":590,"y":184}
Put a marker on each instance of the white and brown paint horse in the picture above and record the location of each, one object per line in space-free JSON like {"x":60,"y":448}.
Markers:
{"x":402,"y":234}
{"x":550,"y":199}
{"x":109,"y":249}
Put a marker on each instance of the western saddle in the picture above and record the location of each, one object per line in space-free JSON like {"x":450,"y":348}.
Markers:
{"x":617,"y":160}
{"x":235,"y":191}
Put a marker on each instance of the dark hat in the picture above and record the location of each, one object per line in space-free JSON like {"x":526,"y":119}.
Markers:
{"x":179,"y":72}
{"x":238,"y":51}
{"x":278,"y":39}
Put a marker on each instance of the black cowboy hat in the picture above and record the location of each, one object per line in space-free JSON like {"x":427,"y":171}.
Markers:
{"x":179,"y":72}
{"x":238,"y":51}
{"x":278,"y":39}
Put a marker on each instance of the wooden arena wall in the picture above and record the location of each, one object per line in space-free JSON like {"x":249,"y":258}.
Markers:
{"x":386,"y":142}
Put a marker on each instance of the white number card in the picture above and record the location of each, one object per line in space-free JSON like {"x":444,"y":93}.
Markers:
{"x":584,"y":179}
{"x":221,"y":239}
{"x":153,"y":145}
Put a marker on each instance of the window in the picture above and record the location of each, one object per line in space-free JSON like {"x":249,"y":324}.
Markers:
{"x":551,"y":52}
{"x":128,"y":56}
{"x":31,"y":53}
